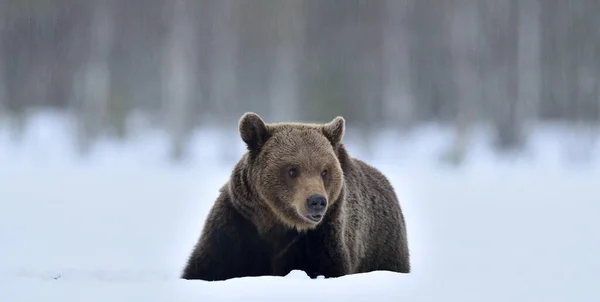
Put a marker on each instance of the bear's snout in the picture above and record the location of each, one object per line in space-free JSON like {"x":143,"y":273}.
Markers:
{"x":316,"y":205}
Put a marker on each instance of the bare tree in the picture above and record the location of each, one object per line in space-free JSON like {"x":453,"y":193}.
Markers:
{"x":3,"y":91}
{"x":466,"y":61}
{"x":224,"y":65}
{"x":529,"y":77}
{"x":398,"y":107}
{"x":500,"y":20}
{"x":92,"y":83}
{"x":583,"y":80}
{"x":289,"y":40}
{"x":179,"y":78}
{"x":224,"y":56}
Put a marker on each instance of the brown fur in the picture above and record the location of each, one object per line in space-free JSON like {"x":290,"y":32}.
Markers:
{"x":257,"y":225}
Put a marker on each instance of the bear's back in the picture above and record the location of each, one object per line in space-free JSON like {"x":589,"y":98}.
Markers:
{"x":374,"y":216}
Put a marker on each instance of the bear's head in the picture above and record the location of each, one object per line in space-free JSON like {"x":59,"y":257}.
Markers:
{"x":294,"y":167}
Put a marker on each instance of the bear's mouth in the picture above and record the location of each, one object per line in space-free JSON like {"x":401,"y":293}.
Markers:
{"x":315,"y":217}
{"x":312,"y":218}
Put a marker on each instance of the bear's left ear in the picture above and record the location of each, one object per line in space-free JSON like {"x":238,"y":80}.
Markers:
{"x":334,"y":131}
{"x":253,"y":131}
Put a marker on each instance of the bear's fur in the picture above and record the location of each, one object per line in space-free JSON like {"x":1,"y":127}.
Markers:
{"x":258,"y":225}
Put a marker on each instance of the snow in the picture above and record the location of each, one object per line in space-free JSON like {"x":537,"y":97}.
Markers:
{"x":118,"y":226}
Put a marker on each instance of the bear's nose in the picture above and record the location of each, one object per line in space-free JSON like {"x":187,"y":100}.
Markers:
{"x":316,"y":203}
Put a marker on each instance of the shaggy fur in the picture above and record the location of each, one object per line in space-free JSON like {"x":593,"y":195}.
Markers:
{"x":258,"y":225}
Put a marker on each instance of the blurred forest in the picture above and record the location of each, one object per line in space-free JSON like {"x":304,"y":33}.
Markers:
{"x":399,"y":64}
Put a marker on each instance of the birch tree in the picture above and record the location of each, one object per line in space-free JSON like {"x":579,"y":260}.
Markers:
{"x":224,"y":56}
{"x":398,"y":107}
{"x":501,"y":22}
{"x":583,"y":52}
{"x":93,"y":78}
{"x":223,"y":80}
{"x":466,"y":61}
{"x":179,"y":76}
{"x":289,"y":40}
{"x":3,"y":88}
{"x":529,"y":77}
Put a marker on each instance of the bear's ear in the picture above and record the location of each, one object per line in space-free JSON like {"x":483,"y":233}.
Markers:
{"x":334,"y":131}
{"x":253,"y":131}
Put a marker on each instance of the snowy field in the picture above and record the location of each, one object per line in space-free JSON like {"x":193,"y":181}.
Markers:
{"x":119,"y":225}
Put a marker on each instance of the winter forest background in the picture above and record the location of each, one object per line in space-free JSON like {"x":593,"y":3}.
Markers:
{"x":182,"y":65}
{"x":118,"y":127}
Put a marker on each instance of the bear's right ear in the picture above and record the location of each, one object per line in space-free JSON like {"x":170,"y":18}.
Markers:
{"x":334,"y":130}
{"x":253,"y":131}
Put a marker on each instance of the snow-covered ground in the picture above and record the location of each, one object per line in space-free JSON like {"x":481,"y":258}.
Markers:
{"x":119,"y":225}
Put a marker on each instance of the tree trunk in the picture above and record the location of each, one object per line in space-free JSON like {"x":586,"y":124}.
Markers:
{"x":223,"y":81}
{"x":179,"y":78}
{"x":465,"y":59}
{"x":285,"y":78}
{"x":584,"y":60}
{"x":529,"y":39}
{"x":3,"y":90}
{"x":507,"y":118}
{"x":398,"y":104}
{"x":92,"y":102}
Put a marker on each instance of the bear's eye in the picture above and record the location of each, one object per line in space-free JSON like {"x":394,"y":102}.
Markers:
{"x":293,"y":172}
{"x":324,"y":173}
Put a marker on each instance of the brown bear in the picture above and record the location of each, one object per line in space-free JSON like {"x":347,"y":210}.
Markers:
{"x":298,"y":201}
